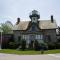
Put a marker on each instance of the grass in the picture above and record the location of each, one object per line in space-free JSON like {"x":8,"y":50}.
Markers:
{"x":30,"y":52}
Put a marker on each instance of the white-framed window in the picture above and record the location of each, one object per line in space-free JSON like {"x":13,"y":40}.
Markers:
{"x":28,"y":41}
{"x":39,"y":37}
{"x":23,"y":36}
{"x":26,"y":37}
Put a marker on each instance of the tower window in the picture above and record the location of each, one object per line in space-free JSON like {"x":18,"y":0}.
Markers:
{"x":34,"y":19}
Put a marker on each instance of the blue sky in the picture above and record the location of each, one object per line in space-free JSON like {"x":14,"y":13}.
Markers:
{"x":11,"y":9}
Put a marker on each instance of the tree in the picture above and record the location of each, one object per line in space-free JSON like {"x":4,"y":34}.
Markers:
{"x":6,"y":29}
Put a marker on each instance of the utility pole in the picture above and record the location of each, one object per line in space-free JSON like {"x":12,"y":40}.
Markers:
{"x":1,"y":39}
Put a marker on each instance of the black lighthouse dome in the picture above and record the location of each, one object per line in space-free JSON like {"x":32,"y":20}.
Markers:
{"x":34,"y":13}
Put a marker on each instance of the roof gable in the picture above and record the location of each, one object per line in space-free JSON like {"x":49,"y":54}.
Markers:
{"x":33,"y":27}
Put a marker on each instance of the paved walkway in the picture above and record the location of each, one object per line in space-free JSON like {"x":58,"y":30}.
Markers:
{"x":29,"y":57}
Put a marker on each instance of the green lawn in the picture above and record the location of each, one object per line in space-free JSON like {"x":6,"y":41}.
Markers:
{"x":30,"y":52}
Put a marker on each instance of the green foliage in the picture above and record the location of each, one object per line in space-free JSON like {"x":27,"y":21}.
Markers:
{"x":6,"y":29}
{"x":36,"y":45}
{"x":13,"y":45}
{"x":23,"y":44}
{"x":57,"y":45}
{"x":30,"y":52}
{"x":31,"y":45}
{"x":51,"y":46}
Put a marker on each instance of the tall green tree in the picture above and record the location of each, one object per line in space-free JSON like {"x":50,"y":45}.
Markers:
{"x":6,"y":29}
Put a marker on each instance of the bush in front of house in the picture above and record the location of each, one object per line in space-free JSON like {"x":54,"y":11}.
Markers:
{"x":23,"y":44}
{"x":36,"y":45}
{"x":31,"y":45}
{"x":13,"y":45}
{"x":57,"y":45}
{"x":43,"y":46}
{"x":51,"y":46}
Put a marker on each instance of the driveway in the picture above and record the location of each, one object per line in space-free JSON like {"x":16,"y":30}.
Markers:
{"x":29,"y":57}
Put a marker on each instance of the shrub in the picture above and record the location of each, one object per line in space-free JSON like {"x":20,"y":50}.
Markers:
{"x":23,"y":45}
{"x":51,"y":46}
{"x":57,"y":45}
{"x":36,"y":45}
{"x":31,"y":45}
{"x":13,"y":45}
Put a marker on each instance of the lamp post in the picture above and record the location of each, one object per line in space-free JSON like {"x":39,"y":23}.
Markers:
{"x":1,"y":40}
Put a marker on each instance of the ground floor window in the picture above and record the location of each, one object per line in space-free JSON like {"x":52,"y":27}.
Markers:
{"x":26,"y":37}
{"x":39,"y":37}
{"x":32,"y":37}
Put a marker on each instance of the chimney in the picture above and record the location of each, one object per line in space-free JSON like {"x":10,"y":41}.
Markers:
{"x":18,"y":20}
{"x":52,"y":20}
